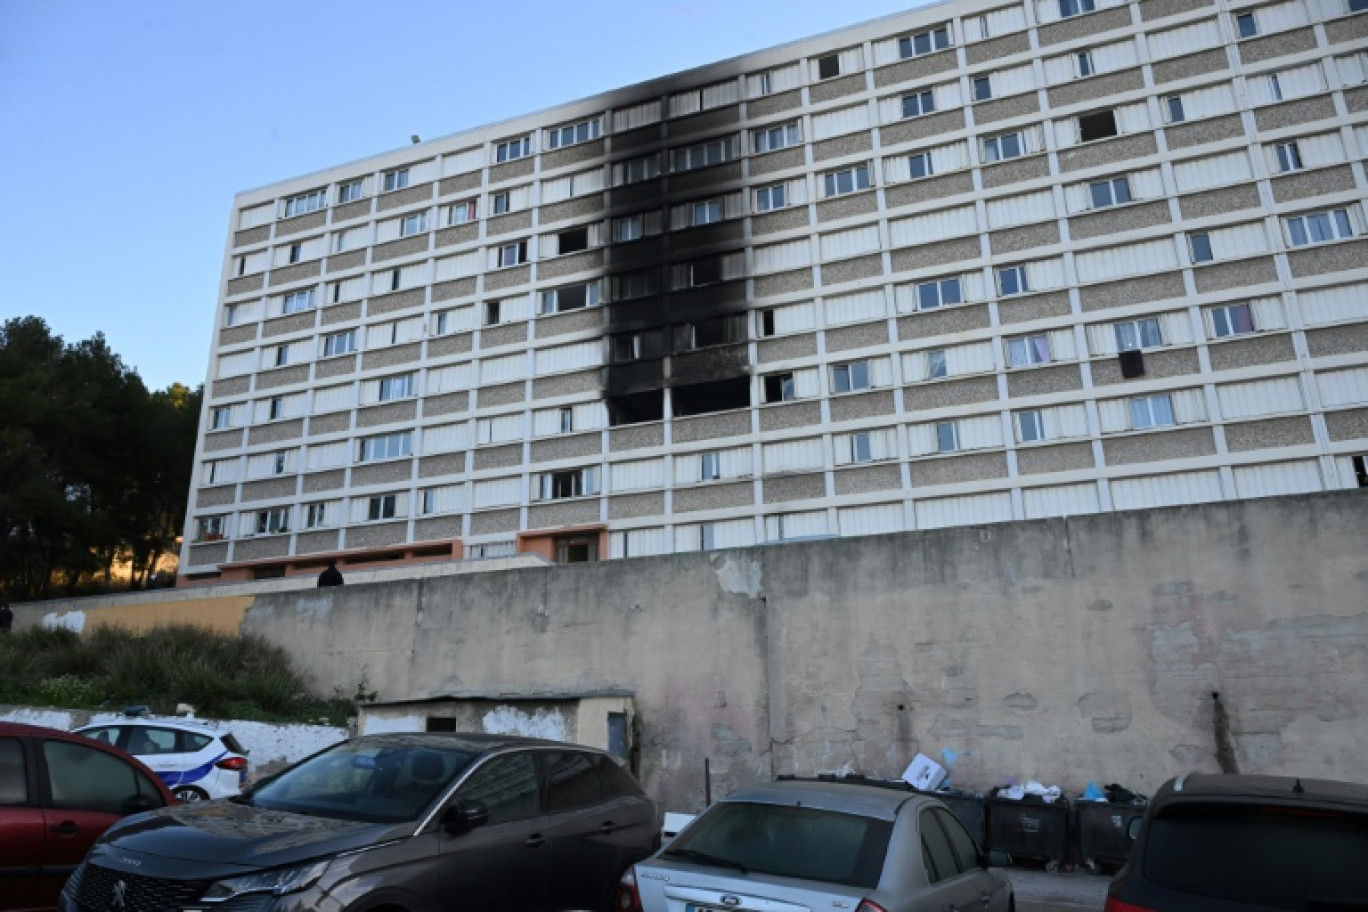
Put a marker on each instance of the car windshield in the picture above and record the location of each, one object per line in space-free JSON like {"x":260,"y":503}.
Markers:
{"x":384,"y":783}
{"x":785,"y":841}
{"x":1273,"y":857}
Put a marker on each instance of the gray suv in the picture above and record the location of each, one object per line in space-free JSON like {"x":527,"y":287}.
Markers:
{"x":403,"y":822}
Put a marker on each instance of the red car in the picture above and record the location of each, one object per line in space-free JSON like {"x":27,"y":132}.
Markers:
{"x":58,"y":792}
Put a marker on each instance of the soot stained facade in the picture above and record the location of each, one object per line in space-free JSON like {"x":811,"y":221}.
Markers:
{"x":976,"y":262}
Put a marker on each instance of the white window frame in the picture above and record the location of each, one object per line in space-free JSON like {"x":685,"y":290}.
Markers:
{"x":1332,"y":225}
{"x":846,"y":181}
{"x":398,"y":179}
{"x":919,"y":104}
{"x":1014,"y":276}
{"x":1106,"y":194}
{"x":401,"y":386}
{"x":1289,"y":157}
{"x":851,"y":377}
{"x":937,"y":39}
{"x":462,"y":212}
{"x":772,"y":139}
{"x":1030,"y":426}
{"x":339,"y":343}
{"x":513,"y":149}
{"x":413,"y":223}
{"x":1148,"y":412}
{"x":939,"y":293}
{"x":927,"y":165}
{"x":768,"y":199}
{"x":947,"y":437}
{"x":297,"y":301}
{"x":1070,"y":8}
{"x":574,"y":134}
{"x":1225,"y":320}
{"x":351,"y":191}
{"x":1140,"y":334}
{"x":1026,"y":351}
{"x":306,"y":203}
{"x":998,"y":148}
{"x":382,"y":506}
{"x":273,"y":521}
{"x":383,"y":447}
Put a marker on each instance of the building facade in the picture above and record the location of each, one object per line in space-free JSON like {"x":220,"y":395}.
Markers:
{"x":972,"y":263}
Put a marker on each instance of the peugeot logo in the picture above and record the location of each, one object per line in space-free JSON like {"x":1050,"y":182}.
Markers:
{"x":117,"y":901}
{"x":730,"y":900}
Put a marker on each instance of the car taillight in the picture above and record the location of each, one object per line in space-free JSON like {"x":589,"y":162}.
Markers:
{"x":626,"y":899}
{"x":232,"y":763}
{"x":1116,"y":905}
{"x":869,"y":905}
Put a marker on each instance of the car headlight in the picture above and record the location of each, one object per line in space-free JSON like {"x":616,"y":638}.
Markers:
{"x":278,"y":882}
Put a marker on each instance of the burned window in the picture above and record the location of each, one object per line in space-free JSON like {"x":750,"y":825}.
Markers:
{"x":638,"y":345}
{"x":573,"y":240}
{"x":1098,"y":125}
{"x":829,"y":67}
{"x":712,"y":396}
{"x":717,"y":331}
{"x":767,"y":323}
{"x":632,"y":285}
{"x":779,"y":387}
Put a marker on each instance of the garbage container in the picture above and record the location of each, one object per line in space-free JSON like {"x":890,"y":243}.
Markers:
{"x":1029,"y":829}
{"x":968,"y":809}
{"x":1103,"y":827}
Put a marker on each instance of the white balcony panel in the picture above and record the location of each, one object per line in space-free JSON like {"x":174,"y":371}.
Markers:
{"x":1340,"y":304}
{"x":502,"y":370}
{"x":1278,"y":396}
{"x":876,"y":519}
{"x":837,"y":123}
{"x":463,"y":162}
{"x":935,"y":226}
{"x":855,"y":242}
{"x":1344,"y":387}
{"x":1169,"y":490}
{"x":860,"y":307}
{"x":497,"y":492}
{"x":637,"y":475}
{"x":970,"y":510}
{"x":1279,"y":478}
{"x":1061,"y":500}
{"x":579,"y":356}
{"x":446,"y":438}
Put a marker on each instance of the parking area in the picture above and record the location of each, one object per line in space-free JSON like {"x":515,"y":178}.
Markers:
{"x":1040,"y":891}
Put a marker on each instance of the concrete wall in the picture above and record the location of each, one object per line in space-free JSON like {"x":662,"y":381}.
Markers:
{"x":1058,"y":650}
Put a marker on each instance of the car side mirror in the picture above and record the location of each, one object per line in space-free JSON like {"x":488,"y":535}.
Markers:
{"x":1133,"y":828}
{"x":464,"y":816}
{"x":996,"y":858}
{"x":136,"y":804}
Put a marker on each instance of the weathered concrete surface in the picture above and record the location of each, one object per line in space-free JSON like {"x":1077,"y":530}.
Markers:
{"x":1060,"y":650}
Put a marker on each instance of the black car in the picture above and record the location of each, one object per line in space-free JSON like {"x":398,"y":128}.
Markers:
{"x":403,"y":822}
{"x":1233,"y":843}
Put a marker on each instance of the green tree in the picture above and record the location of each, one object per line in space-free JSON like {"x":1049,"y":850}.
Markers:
{"x":93,"y":468}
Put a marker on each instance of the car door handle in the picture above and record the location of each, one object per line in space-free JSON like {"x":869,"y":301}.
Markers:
{"x":607,"y":827}
{"x":535,"y":841}
{"x":66,"y":828}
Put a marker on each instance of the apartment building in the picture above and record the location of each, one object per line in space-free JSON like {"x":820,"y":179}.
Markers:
{"x":977,"y":262}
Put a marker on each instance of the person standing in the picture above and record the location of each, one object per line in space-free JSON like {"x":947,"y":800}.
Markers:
{"x":331,"y":576}
{"x":6,"y":615}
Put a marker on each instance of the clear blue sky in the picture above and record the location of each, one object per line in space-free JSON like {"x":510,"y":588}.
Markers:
{"x":126,"y":128}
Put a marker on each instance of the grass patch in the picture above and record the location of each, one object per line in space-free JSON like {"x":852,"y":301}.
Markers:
{"x":222,"y":676}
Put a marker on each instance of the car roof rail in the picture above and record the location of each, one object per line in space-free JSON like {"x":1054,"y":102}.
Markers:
{"x":1182,"y":780}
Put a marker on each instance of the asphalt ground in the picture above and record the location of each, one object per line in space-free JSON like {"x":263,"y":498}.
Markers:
{"x":1040,"y":891}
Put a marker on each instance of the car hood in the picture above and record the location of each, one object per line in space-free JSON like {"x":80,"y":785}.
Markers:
{"x":241,"y":836}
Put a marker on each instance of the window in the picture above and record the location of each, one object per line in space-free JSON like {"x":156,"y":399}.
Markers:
{"x":924,"y":43}
{"x":1289,"y":157}
{"x":1319,"y":227}
{"x":400,"y":387}
{"x":850,"y":180}
{"x":308,"y":202}
{"x":1358,"y":6}
{"x":1070,"y":8}
{"x":351,"y":191}
{"x":1173,"y":106}
{"x":396,"y":180}
{"x":714,"y":331}
{"x":628,"y":347}
{"x":220,"y":418}
{"x":492,"y":313}
{"x":861,"y":447}
{"x":315,"y":515}
{"x":1012,"y":280}
{"x":569,"y":483}
{"x":572,"y":240}
{"x":460,"y":213}
{"x":297,"y":301}
{"x":629,"y":228}
{"x":382,"y":506}
{"x":707,"y":536}
{"x":710,"y":466}
{"x":429,"y":502}
{"x":935,"y":364}
{"x":573,"y":134}
{"x":1151,"y":412}
{"x":931,"y":295}
{"x":512,"y":254}
{"x":777,"y":137}
{"x":273,"y":522}
{"x":1098,"y":125}
{"x":848,"y":378}
{"x":1112,"y":192}
{"x":572,"y":297}
{"x":829,"y":67}
{"x":1231,"y":320}
{"x":918,"y":104}
{"x":770,"y":198}
{"x":1083,"y":63}
{"x":766,"y":319}
{"x":282,"y":355}
{"x":567,"y":420}
{"x":640,"y":169}
{"x":779,"y":387}
{"x":702,"y":155}
{"x":1026,"y":351}
{"x":1275,"y":87}
{"x":275,"y":410}
{"x":85,"y":778}
{"x":296,"y":253}
{"x":1246,"y":26}
{"x":947,"y":437}
{"x":1134,"y":335}
{"x":338,"y":343}
{"x":1030,"y":426}
{"x":500,"y":202}
{"x":210,"y":528}
{"x":1200,"y":244}
{"x":513,"y":149}
{"x":386,"y":446}
{"x":982,"y":88}
{"x":919,"y":165}
{"x":413,"y":224}
{"x":395,"y":276}
{"x":1001,"y":148}
{"x":707,"y":212}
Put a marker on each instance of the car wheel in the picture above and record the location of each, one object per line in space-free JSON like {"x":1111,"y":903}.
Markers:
{"x":188,"y":793}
